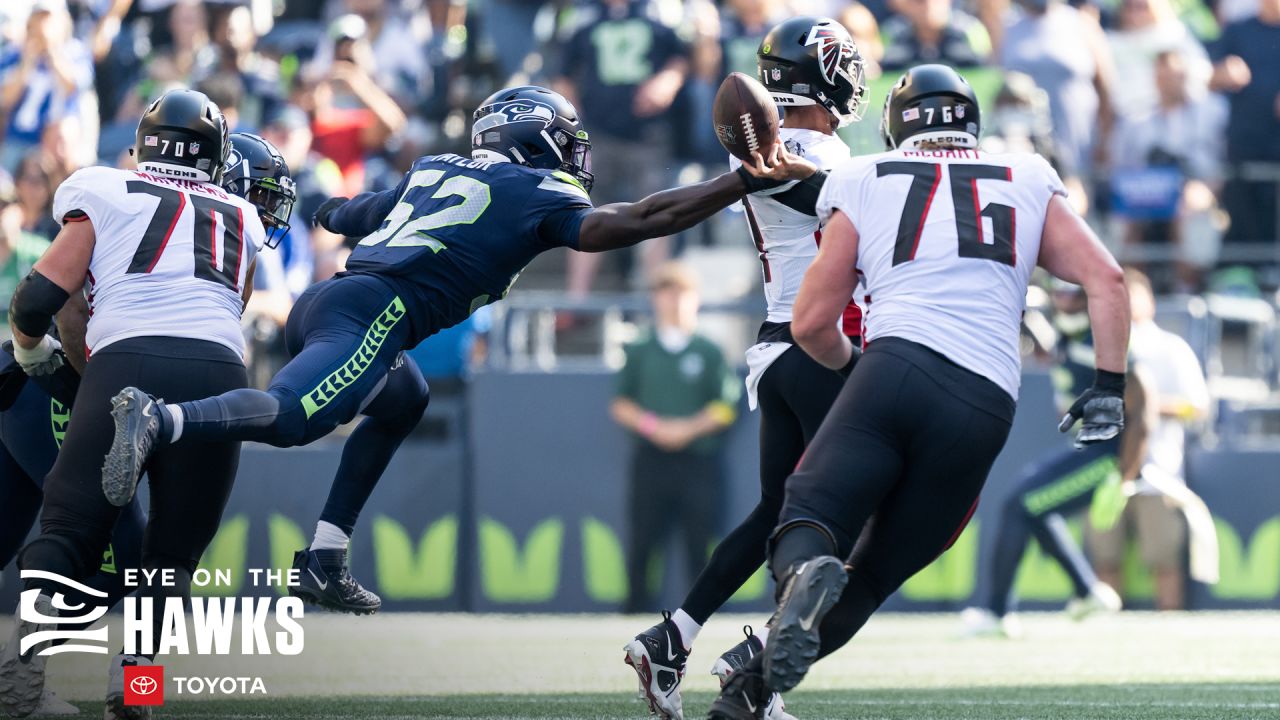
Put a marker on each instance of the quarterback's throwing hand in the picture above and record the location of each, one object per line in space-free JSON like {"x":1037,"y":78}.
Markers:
{"x":780,"y":164}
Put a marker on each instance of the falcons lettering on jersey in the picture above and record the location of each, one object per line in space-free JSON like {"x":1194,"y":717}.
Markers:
{"x":832,"y":52}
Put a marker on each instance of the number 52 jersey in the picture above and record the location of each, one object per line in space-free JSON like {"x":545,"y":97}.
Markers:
{"x":947,"y":241}
{"x":170,"y":256}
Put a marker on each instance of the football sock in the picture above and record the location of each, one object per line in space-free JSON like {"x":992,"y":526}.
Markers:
{"x":329,"y":537}
{"x":175,"y":423}
{"x":796,"y":544}
{"x":688,"y":628}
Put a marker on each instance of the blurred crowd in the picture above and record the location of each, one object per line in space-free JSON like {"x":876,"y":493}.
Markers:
{"x":1163,"y":115}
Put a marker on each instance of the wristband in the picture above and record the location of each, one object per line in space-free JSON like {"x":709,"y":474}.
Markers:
{"x":1107,"y":380}
{"x":648,"y":423}
{"x":37,"y":354}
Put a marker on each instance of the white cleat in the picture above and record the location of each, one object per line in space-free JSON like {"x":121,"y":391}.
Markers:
{"x":22,"y":676}
{"x":1101,"y":599}
{"x":978,"y":622}
{"x":53,"y":706}
{"x":116,"y":709}
{"x":658,"y":657}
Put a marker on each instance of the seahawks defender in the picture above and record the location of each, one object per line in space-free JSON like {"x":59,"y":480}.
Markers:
{"x":927,"y":409}
{"x":1064,"y":483}
{"x":165,"y":257}
{"x":34,"y":413}
{"x":810,"y":66}
{"x":451,"y":237}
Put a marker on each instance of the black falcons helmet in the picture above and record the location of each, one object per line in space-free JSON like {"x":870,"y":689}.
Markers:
{"x":813,"y":60}
{"x":532,"y":126}
{"x":931,"y":102}
{"x":183,"y":135}
{"x":257,"y":172}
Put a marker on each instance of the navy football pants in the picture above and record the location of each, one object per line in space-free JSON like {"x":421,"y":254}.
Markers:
{"x":31,"y":431}
{"x":346,"y":336}
{"x":1047,"y":491}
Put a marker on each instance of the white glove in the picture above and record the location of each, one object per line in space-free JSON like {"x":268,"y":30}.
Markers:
{"x":43,"y":359}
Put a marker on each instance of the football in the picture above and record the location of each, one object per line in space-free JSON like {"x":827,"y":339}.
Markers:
{"x":745,"y":116}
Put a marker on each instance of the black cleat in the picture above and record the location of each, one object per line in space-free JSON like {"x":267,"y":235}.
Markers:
{"x":658,"y":657}
{"x":811,"y":589}
{"x":735,"y":659}
{"x":324,"y":580}
{"x":744,"y":697}
{"x":137,"y":418}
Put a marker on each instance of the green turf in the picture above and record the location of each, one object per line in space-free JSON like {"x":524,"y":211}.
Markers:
{"x":1229,"y":701}
{"x":1144,"y":666}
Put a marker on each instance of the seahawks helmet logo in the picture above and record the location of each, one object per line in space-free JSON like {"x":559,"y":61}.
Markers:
{"x":834,"y":52}
{"x":233,"y":160}
{"x":514,"y":111}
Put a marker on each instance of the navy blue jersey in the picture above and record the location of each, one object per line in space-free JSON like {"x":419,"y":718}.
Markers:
{"x":454,"y":234}
{"x":32,"y":428}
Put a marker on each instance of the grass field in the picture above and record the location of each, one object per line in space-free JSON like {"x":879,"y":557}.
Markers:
{"x":1137,"y":666}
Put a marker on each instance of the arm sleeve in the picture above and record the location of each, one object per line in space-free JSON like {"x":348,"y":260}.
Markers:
{"x":559,"y":228}
{"x":366,"y":212}
{"x":802,"y":196}
{"x":557,"y":207}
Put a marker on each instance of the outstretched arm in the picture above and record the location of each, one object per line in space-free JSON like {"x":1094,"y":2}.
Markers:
{"x":620,"y":225}
{"x":362,"y":214}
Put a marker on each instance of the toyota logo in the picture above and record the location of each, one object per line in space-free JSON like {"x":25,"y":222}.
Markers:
{"x":143,"y":685}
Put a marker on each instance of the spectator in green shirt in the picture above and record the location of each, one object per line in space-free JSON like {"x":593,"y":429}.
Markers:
{"x":676,"y":395}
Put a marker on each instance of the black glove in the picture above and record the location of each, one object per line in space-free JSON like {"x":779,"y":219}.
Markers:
{"x":853,"y":360}
{"x":326,"y":208}
{"x":1101,"y":408}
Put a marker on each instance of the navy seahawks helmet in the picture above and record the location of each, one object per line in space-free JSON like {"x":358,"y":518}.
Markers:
{"x":257,"y":172}
{"x":535,"y":127}
{"x":183,"y":134}
{"x":814,"y":61}
{"x":933,"y":103}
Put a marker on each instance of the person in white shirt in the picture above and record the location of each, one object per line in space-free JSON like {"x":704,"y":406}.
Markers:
{"x":1152,"y":515}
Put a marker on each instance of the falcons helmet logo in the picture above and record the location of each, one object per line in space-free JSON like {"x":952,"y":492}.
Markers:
{"x":833,"y":52}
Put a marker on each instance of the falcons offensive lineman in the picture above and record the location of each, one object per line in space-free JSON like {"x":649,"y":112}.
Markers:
{"x":913,"y":433}
{"x":165,"y":257}
{"x":811,"y":66}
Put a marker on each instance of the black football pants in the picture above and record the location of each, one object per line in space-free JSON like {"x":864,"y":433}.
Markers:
{"x":898,"y":466}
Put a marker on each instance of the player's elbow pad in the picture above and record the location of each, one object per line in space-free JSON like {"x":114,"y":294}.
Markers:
{"x":34,"y":304}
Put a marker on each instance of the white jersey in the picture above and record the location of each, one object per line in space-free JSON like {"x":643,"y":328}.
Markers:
{"x":169,"y":259}
{"x":787,"y":239}
{"x":947,"y":242}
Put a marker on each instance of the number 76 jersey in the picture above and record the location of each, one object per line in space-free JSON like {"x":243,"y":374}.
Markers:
{"x":170,"y":257}
{"x":947,"y":241}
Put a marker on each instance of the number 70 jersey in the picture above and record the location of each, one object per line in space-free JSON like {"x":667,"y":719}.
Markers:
{"x":170,"y":256}
{"x":947,"y":241}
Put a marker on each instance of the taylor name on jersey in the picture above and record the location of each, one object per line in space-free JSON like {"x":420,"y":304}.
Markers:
{"x":170,"y":256}
{"x":933,"y":225}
